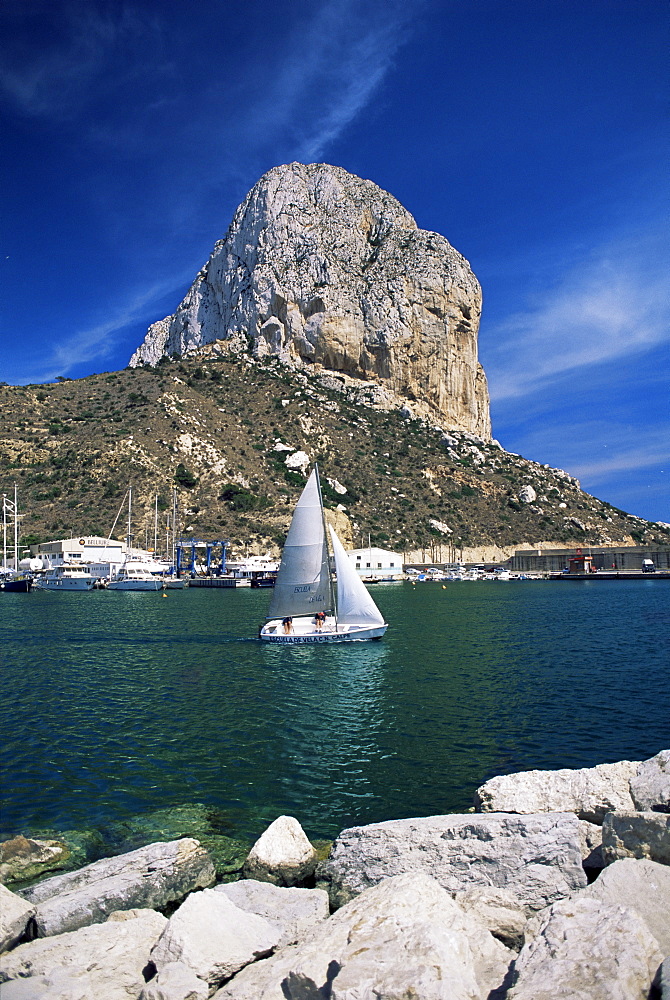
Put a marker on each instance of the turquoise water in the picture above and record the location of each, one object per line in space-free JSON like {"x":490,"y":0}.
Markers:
{"x":119,"y":703}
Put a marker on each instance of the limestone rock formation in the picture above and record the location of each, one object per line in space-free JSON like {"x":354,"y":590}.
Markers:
{"x":590,"y":792}
{"x":152,"y":876}
{"x":572,"y":954}
{"x":322,"y":267}
{"x":536,"y":857}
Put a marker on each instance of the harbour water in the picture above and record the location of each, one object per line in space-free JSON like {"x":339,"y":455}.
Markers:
{"x":115,"y":704}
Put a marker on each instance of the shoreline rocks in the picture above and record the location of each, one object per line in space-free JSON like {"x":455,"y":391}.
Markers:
{"x":538,"y":857}
{"x":481,"y":906}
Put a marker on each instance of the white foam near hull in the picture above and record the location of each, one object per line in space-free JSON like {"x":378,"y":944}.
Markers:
{"x":304,"y":632}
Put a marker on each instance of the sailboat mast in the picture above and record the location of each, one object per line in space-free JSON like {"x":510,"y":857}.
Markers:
{"x":4,"y":530}
{"x":16,"y":530}
{"x":331,"y":592}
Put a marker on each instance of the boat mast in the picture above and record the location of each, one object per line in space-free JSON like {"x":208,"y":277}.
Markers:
{"x":331,"y":592}
{"x":4,"y":530}
{"x":130,"y":509}
{"x":16,"y":530}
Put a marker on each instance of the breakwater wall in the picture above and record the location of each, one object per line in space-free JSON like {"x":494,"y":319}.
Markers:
{"x":557,"y":884}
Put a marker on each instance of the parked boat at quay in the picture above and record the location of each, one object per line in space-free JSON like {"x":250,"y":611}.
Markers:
{"x":304,"y":607}
{"x":136,"y":575}
{"x":66,"y":577}
{"x":14,"y":583}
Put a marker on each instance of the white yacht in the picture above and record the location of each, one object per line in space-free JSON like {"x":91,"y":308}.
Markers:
{"x":135,"y":575}
{"x":66,"y":577}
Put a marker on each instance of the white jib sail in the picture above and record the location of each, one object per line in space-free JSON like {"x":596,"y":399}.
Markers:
{"x":303,"y":581}
{"x":354,"y":604}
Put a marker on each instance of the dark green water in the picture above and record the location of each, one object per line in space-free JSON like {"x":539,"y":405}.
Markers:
{"x":118,"y":703}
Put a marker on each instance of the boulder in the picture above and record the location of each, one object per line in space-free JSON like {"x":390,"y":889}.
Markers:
{"x":650,"y":785}
{"x":405,"y":937}
{"x":537,"y":857}
{"x":499,"y":910}
{"x":104,"y":960}
{"x":585,"y":948}
{"x":642,"y":885}
{"x":175,"y":981}
{"x":282,"y":855}
{"x":590,"y":792}
{"x":213,"y":937}
{"x":527,"y":494}
{"x":298,"y":462}
{"x":23,"y":858}
{"x":637,"y":835}
{"x":151,"y":877}
{"x":15,"y":913}
{"x":293,"y":911}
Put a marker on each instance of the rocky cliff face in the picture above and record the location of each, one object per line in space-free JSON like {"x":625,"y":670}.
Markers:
{"x":322,"y":267}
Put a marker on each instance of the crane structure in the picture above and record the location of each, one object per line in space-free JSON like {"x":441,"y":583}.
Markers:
{"x":184,"y":546}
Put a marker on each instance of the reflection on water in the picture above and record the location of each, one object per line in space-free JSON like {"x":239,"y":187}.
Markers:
{"x":121,"y":703}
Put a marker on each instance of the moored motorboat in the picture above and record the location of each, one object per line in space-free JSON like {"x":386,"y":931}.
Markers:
{"x":66,"y":577}
{"x":304,"y":606}
{"x":135,"y":575}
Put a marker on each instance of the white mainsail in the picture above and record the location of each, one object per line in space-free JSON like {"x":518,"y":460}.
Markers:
{"x":354,"y":604}
{"x":303,"y":584}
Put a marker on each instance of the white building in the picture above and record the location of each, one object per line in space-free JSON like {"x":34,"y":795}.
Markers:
{"x":84,"y":549}
{"x":377,"y":564}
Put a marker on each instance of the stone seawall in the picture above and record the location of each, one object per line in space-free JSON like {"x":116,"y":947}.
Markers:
{"x":555,"y":885}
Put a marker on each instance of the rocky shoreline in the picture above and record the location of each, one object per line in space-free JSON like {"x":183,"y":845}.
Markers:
{"x":556,"y":885}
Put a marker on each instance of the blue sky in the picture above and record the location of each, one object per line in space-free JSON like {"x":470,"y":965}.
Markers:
{"x":533,"y":135}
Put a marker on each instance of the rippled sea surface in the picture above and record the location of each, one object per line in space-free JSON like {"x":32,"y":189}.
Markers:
{"x":119,"y":703}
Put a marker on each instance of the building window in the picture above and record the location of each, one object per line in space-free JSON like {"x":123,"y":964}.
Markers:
{"x":367,"y":565}
{"x":379,"y":565}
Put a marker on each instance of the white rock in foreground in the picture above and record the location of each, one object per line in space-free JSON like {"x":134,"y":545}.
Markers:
{"x":589,"y":950}
{"x":213,"y":937}
{"x":537,"y":857}
{"x":405,"y":937}
{"x":282,"y":855}
{"x":642,"y":885}
{"x":151,"y":876}
{"x":293,"y":911}
{"x":175,"y":981}
{"x":15,"y":913}
{"x":650,"y":787}
{"x":637,"y":835}
{"x":103,"y":960}
{"x":590,"y":792}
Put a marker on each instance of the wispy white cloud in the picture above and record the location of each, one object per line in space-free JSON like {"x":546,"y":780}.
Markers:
{"x":332,"y":70}
{"x":100,"y":340}
{"x":611,"y":305}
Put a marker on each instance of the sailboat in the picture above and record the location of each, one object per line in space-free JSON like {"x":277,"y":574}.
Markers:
{"x":304,"y":606}
{"x":134,"y":574}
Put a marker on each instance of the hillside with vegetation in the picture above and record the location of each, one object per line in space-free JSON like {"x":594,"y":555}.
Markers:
{"x":219,"y":430}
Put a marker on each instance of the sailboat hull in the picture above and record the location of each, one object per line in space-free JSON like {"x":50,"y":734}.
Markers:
{"x":304,"y":632}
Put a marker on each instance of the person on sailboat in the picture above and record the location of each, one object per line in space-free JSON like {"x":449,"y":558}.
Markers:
{"x":288,"y":625}
{"x":319,"y":619}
